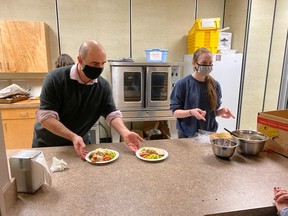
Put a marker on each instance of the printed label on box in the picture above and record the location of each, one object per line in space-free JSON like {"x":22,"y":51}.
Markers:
{"x":155,"y":56}
{"x":208,"y":23}
{"x":273,"y":123}
{"x":277,"y":130}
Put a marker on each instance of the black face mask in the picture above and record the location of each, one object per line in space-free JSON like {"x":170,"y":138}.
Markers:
{"x":92,"y":72}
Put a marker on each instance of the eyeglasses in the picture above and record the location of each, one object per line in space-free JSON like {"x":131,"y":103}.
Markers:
{"x":204,"y":65}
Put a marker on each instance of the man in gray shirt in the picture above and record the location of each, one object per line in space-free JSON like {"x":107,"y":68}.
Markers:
{"x":72,"y":100}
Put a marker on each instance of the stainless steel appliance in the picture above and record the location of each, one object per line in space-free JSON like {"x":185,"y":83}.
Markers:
{"x":142,"y":90}
{"x":143,"y":86}
{"x":94,"y":133}
{"x":27,"y":167}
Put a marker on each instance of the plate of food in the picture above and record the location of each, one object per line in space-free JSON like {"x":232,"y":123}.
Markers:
{"x":151,"y":154}
{"x":101,"y":156}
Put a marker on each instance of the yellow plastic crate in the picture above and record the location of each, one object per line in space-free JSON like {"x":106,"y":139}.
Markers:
{"x":204,"y":33}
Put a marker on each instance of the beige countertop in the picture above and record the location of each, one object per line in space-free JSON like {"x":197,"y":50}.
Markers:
{"x":22,"y":104}
{"x":191,"y":181}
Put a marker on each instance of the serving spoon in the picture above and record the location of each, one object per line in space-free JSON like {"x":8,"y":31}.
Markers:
{"x":230,"y":132}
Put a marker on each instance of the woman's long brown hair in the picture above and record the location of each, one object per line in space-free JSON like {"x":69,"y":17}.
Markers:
{"x":210,"y":82}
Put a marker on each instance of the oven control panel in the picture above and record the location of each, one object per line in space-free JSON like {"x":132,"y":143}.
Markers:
{"x":176,"y":74}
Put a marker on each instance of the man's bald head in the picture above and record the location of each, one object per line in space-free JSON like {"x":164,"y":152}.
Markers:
{"x":90,"y":46}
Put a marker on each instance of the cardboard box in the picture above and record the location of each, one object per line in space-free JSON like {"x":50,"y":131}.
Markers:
{"x":139,"y":132}
{"x":275,"y":125}
{"x":150,"y":126}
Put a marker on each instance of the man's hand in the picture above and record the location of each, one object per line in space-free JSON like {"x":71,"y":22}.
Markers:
{"x":79,"y":146}
{"x":132,"y":140}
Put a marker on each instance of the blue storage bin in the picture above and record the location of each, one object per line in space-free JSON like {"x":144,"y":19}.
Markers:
{"x":156,"y":55}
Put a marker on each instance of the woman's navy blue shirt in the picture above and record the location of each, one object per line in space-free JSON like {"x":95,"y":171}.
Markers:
{"x":190,"y":93}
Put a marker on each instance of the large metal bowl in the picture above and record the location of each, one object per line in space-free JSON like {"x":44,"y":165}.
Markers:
{"x":250,"y":142}
{"x":224,"y":148}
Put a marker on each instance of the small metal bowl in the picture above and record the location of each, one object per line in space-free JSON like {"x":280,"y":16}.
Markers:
{"x":250,"y":142}
{"x":224,"y":148}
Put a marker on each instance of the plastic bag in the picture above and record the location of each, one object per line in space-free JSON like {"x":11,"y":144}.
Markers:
{"x":202,"y":136}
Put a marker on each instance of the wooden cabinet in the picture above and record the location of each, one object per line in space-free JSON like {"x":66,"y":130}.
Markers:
{"x":24,"y":47}
{"x":18,"y":126}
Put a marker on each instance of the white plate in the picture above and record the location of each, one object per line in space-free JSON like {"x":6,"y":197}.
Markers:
{"x":152,"y":160}
{"x":101,"y":162}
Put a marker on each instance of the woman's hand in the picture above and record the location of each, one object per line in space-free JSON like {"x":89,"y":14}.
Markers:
{"x":280,"y":198}
{"x":225,"y":113}
{"x":198,"y":113}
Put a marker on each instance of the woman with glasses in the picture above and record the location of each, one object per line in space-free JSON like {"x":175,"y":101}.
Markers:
{"x":196,"y":98}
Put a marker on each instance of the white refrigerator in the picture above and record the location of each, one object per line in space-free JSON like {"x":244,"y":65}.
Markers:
{"x":227,"y":71}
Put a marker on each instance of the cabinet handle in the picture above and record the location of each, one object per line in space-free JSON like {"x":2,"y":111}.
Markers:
{"x":1,"y":66}
{"x":23,"y":114}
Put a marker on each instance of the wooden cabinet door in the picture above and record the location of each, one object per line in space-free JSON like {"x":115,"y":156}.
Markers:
{"x":18,"y":126}
{"x":24,"y":46}
{"x":18,"y":134}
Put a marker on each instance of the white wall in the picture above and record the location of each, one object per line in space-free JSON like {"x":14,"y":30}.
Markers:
{"x":256,"y":61}
{"x":277,"y":55}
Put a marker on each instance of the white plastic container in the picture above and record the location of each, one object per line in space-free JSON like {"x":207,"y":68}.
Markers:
{"x":156,"y":55}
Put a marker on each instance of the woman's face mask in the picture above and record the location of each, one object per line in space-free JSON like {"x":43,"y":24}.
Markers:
{"x":204,"y":70}
{"x":92,"y":72}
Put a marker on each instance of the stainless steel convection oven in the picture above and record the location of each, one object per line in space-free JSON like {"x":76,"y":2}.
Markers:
{"x":142,"y":91}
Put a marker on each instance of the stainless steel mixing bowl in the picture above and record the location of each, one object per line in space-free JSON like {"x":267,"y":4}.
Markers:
{"x":250,"y":142}
{"x":224,"y":148}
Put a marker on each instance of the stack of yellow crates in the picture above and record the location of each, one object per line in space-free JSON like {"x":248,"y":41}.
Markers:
{"x":204,"y":33}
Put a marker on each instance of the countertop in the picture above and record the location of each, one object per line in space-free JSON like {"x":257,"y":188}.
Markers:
{"x":191,"y":181}
{"x":29,"y":103}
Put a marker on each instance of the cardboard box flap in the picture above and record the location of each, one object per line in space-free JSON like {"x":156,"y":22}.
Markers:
{"x":278,"y":113}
